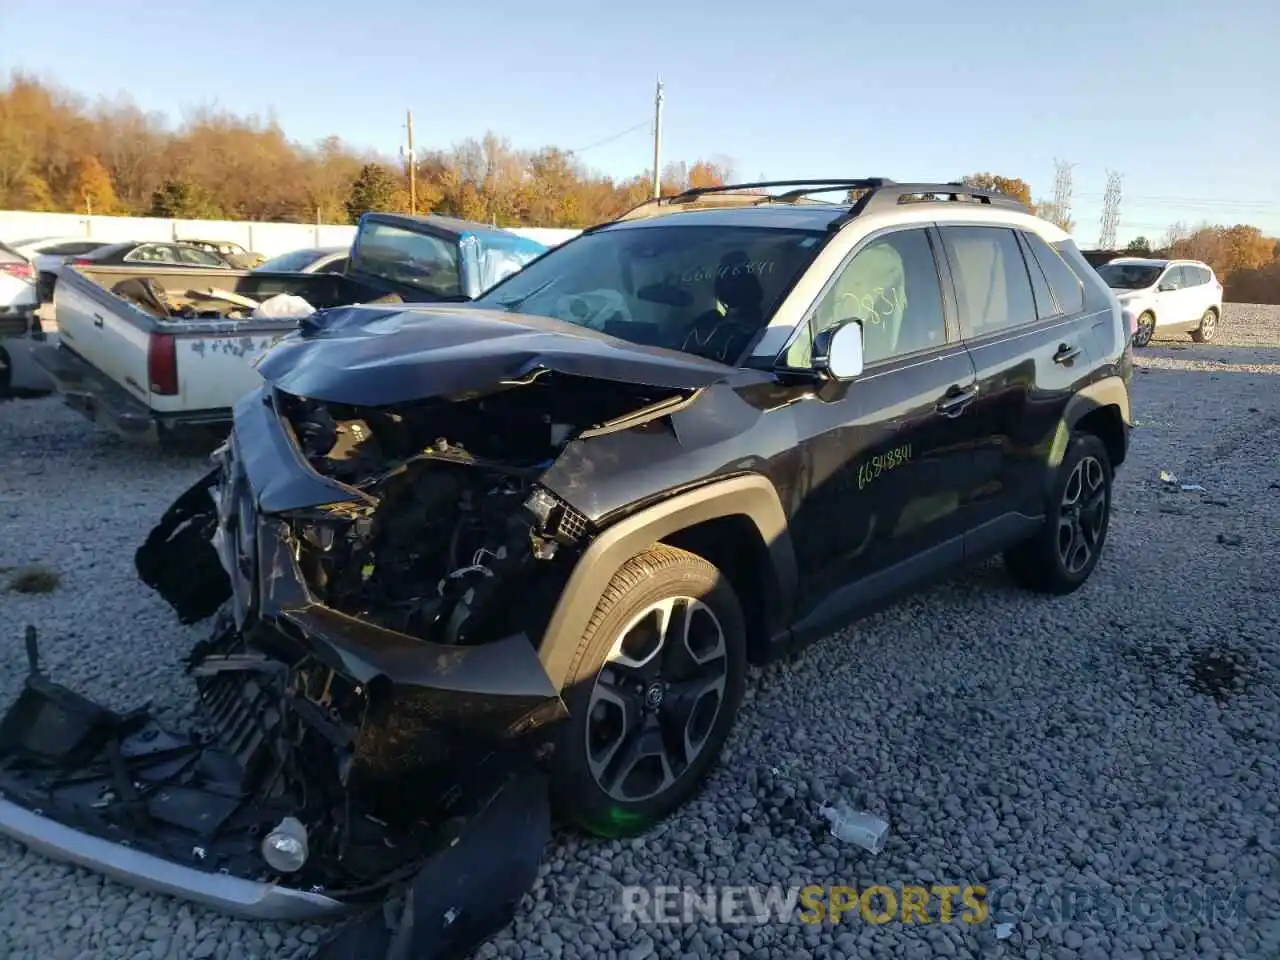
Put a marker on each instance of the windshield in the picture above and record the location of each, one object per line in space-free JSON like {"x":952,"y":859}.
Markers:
{"x":1129,"y":276}
{"x":292,"y":262}
{"x":405,"y":256}
{"x":703,"y":290}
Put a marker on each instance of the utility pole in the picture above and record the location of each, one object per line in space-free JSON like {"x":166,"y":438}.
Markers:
{"x":657,"y":142}
{"x":413,"y":172}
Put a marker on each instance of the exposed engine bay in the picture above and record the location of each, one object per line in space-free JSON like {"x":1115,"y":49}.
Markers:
{"x":458,"y":517}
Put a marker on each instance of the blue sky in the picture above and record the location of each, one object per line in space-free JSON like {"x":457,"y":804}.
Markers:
{"x":1181,"y":98}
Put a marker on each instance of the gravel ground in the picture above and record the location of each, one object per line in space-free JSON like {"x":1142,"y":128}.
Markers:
{"x":1120,"y":740}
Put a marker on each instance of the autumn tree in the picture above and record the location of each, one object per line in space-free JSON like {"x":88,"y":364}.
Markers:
{"x":91,"y":187}
{"x":1226,"y":249}
{"x":1013,"y":187}
{"x":182,"y":200}
{"x":1048,"y":210}
{"x":374,"y":189}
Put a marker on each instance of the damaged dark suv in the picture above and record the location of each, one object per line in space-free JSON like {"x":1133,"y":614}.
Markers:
{"x":539,"y":537}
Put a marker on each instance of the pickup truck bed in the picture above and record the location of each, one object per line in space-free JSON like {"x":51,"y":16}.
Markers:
{"x":153,"y":354}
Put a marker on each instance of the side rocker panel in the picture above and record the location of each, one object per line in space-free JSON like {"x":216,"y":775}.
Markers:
{"x":750,"y":495}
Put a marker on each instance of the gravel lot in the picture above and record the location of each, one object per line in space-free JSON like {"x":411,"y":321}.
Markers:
{"x":1124,"y":738}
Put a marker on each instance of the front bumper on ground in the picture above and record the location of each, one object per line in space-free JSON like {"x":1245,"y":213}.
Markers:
{"x":248,"y":899}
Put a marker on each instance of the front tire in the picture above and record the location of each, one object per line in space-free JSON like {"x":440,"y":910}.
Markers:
{"x":1208,"y":328}
{"x":1061,"y":556}
{"x":652,"y":694}
{"x":1146,"y":329}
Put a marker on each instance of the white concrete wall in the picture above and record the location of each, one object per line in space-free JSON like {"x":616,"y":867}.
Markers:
{"x":270,"y":239}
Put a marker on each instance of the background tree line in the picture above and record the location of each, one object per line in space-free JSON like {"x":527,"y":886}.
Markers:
{"x":60,"y":153}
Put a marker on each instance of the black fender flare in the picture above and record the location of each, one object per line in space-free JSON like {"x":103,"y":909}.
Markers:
{"x":750,"y":495}
{"x":1108,"y":391}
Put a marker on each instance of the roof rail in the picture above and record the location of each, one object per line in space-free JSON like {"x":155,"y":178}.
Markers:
{"x":877,"y":193}
{"x":890,"y":194}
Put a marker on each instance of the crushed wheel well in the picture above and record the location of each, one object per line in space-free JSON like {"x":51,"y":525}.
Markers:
{"x":1105,"y":424}
{"x":734,"y":545}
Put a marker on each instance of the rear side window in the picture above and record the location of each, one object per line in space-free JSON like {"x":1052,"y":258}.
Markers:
{"x":1063,"y":281}
{"x":197,"y":257}
{"x":1046,"y":305}
{"x":152,"y":253}
{"x":993,"y":288}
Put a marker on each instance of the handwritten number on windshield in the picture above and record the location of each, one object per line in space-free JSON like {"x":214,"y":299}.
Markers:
{"x":705,"y":274}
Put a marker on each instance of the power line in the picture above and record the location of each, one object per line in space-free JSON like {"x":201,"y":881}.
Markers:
{"x":1197,"y":201}
{"x":612,"y":137}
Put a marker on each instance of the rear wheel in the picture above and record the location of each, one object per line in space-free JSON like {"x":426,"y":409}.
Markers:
{"x":1062,"y":555}
{"x":1208,"y":327}
{"x":1146,"y":329}
{"x":652,"y":694}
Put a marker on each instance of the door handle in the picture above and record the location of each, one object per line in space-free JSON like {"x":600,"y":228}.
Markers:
{"x":955,"y":400}
{"x":98,"y":320}
{"x":1066,"y":353}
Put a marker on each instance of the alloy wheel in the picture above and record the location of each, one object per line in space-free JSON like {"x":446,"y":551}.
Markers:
{"x":656,"y":698}
{"x":1146,"y":330}
{"x":1082,"y":517}
{"x":1207,"y":324}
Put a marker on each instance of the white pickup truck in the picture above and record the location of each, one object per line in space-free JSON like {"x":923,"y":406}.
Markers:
{"x":162,"y":354}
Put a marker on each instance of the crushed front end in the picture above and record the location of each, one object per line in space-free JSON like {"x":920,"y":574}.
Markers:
{"x":380,"y":547}
{"x":371,"y":681}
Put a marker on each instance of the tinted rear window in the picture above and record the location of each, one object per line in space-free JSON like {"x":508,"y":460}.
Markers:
{"x":1064,"y":283}
{"x":993,"y":286}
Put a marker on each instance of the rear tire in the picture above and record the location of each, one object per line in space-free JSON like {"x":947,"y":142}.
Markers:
{"x":1208,"y":328}
{"x":1146,"y":329}
{"x":1060,"y":557}
{"x":652,"y":694}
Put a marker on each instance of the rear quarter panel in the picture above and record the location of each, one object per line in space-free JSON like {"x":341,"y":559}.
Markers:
{"x":216,"y":362}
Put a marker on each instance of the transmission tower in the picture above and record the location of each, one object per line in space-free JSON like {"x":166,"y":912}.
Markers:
{"x":1110,"y":212}
{"x":1062,"y":193}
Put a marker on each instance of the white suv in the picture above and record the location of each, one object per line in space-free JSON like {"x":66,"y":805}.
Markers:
{"x":1172,"y":296}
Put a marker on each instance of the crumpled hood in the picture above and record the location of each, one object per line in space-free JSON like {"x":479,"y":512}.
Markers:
{"x":375,"y":356}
